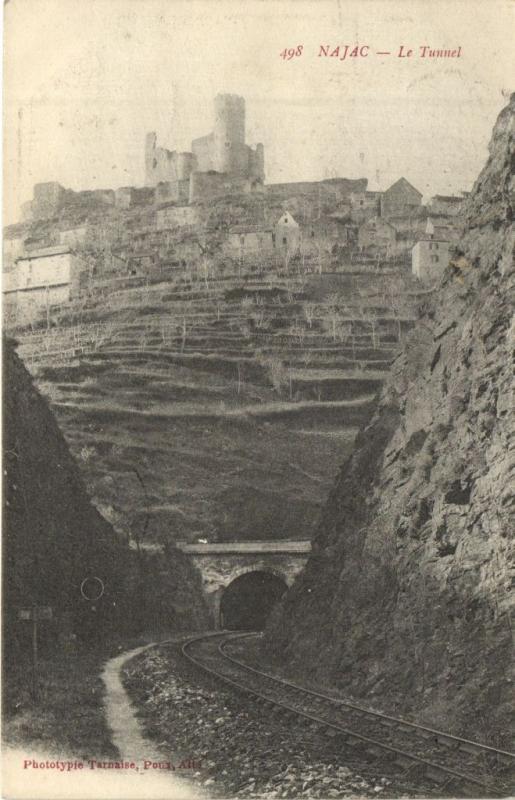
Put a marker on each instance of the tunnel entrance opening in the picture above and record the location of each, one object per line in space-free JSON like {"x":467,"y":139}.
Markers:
{"x":248,"y":600}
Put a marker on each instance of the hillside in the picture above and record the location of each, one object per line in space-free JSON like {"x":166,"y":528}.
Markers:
{"x":405,"y":602}
{"x":215,"y":407}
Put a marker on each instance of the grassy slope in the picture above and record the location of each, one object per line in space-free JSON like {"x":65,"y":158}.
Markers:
{"x":215,"y":409}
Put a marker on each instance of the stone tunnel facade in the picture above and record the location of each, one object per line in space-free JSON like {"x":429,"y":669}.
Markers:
{"x":220,"y":563}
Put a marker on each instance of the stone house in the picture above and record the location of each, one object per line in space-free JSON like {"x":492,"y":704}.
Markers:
{"x":41,"y":279}
{"x":446,"y":205}
{"x":245,"y":241}
{"x":429,"y":258}
{"x":287,"y":234}
{"x":441,"y":228}
{"x":378,"y":236}
{"x":409,"y":230}
{"x":364,"y":205}
{"x":401,"y":199}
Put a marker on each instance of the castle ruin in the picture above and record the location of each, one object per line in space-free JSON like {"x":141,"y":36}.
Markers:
{"x":217,"y":163}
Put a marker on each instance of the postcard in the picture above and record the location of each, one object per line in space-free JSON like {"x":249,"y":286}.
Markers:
{"x":258,"y":289}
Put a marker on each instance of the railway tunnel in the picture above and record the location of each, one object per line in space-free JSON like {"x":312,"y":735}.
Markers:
{"x":248,"y":600}
{"x":243,"y":580}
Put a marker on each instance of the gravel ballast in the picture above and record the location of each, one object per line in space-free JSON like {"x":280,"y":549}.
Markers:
{"x":239,"y":749}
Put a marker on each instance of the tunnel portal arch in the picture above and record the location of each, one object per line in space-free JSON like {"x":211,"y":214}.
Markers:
{"x":248,"y":599}
{"x":220,"y":563}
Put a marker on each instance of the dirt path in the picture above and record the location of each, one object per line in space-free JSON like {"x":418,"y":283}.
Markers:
{"x":128,"y":738}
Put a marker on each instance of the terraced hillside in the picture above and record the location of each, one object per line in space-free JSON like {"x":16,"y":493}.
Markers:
{"x":218,"y":408}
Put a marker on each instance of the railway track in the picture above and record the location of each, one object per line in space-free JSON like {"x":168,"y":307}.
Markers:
{"x":449,"y":763}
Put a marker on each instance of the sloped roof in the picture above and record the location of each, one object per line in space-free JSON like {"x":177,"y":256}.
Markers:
{"x":374,"y":221}
{"x":43,"y":252}
{"x":427,"y":238}
{"x":249,"y":229}
{"x":447,"y":198}
{"x":402,"y":182}
{"x":286,"y":216}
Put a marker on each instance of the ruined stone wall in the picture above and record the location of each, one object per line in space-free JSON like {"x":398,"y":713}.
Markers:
{"x":327,"y":191}
{"x":162,"y":165}
{"x":47,"y":200}
{"x":203,"y":150}
{"x":173,"y":191}
{"x":208,"y":185}
{"x":405,"y":601}
{"x":176,"y":217}
{"x":257,"y":163}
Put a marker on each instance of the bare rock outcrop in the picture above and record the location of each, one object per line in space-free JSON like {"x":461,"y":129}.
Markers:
{"x":405,"y":602}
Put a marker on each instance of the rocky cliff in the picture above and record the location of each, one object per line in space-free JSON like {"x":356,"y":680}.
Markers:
{"x":54,"y":539}
{"x":405,"y":601}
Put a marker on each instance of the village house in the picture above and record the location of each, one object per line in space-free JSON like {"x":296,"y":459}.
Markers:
{"x":41,"y":279}
{"x":324,"y":238}
{"x":12,"y":246}
{"x":176,"y":217}
{"x":446,"y":205}
{"x":441,"y":228}
{"x":401,"y":199}
{"x":364,"y":205}
{"x":245,"y":241}
{"x":429,"y":259}
{"x":287,"y":234}
{"x":187,"y":251}
{"x":377,"y":236}
{"x":409,"y":230}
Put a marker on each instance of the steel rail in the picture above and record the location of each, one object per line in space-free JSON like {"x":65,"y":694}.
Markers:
{"x":478,"y":746}
{"x":451,"y":774}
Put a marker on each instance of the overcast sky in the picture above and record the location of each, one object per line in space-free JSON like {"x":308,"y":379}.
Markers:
{"x":86,"y":79}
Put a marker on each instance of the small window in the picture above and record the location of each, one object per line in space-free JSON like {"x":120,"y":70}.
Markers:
{"x":436,"y":259}
{"x":285,"y":240}
{"x":312,"y":234}
{"x":361,"y":202}
{"x":242,"y":240}
{"x":286,"y":220}
{"x":273,"y":238}
{"x":436,"y":245}
{"x":430,"y":245}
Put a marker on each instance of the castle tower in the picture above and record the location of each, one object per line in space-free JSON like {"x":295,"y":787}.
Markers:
{"x":257,"y":163}
{"x":230,"y":154}
{"x":150,"y":158}
{"x":186,"y":163}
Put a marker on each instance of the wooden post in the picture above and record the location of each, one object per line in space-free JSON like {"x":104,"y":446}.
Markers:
{"x":34,"y":654}
{"x":47,"y":292}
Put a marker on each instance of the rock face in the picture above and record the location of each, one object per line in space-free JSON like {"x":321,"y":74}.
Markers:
{"x":54,"y":539}
{"x":405,"y":601}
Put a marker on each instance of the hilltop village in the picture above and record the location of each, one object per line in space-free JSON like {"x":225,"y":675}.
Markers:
{"x":209,"y":209}
{"x":254,"y":322}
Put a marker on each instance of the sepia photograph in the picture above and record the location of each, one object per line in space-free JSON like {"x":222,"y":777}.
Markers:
{"x":258,"y":287}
